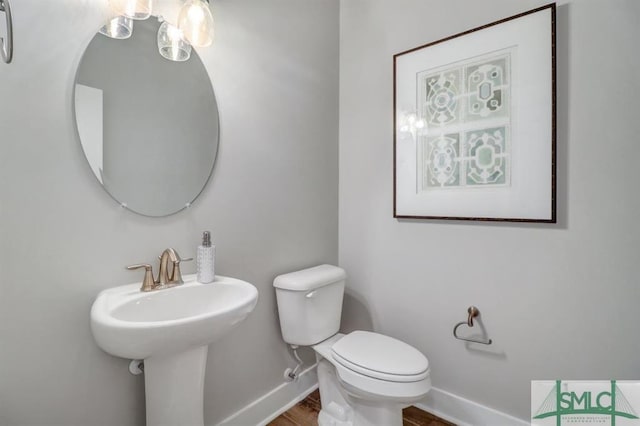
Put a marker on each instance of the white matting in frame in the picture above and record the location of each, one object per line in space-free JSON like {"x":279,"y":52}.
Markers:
{"x":474,"y":123}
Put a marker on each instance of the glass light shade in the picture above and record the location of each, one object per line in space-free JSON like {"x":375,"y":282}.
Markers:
{"x":134,"y":9}
{"x":171,"y":43}
{"x":119,"y":27}
{"x":196,"y":22}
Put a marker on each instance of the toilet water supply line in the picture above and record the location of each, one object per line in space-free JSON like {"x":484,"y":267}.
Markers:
{"x":292,"y":375}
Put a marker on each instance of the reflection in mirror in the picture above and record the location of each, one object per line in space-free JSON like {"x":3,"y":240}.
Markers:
{"x":148,"y":126}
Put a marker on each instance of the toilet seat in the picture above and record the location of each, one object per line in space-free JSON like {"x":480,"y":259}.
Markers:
{"x":361,"y":385}
{"x":367,"y":387}
{"x":380,"y":357}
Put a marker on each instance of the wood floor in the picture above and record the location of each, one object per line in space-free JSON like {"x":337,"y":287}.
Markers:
{"x":305,"y":413}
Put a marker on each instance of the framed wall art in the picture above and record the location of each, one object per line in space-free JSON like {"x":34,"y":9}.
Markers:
{"x":475,"y":123}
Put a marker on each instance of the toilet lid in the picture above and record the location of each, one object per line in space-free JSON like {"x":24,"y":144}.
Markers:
{"x":379,"y":356}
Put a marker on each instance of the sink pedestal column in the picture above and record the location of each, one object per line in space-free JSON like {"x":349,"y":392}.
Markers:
{"x":174,"y":388}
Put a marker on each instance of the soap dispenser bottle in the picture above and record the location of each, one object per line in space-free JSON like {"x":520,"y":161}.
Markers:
{"x":205,"y":261}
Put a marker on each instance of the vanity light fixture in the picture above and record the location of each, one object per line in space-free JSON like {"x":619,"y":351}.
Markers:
{"x":196,"y":22}
{"x":171,"y":43}
{"x":119,"y":28}
{"x":194,"y":28}
{"x":134,"y":9}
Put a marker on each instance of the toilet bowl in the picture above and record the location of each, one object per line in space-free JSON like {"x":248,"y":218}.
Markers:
{"x":365,"y":378}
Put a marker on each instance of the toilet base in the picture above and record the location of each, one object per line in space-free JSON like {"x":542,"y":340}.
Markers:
{"x":339,"y":408}
{"x":335,"y":409}
{"x":359,"y":413}
{"x":326,"y":418}
{"x":370,"y":413}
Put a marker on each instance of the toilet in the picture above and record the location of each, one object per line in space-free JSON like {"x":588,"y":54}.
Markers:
{"x":365,"y":378}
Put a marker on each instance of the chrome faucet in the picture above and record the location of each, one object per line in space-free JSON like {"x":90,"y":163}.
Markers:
{"x":165,"y":279}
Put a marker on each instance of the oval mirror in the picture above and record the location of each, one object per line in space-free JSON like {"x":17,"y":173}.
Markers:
{"x":148,"y":126}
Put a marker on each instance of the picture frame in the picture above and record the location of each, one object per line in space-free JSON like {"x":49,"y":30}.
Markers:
{"x":475,"y":123}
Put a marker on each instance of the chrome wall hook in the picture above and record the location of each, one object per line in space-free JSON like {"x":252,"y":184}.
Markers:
{"x":6,"y":48}
{"x":473,"y":312}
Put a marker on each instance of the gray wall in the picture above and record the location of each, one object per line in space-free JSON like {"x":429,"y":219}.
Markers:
{"x":560,"y":301}
{"x":271,"y":205}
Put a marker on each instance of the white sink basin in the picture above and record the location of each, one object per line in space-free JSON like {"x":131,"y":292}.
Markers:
{"x":131,"y":324}
{"x":170,"y":330}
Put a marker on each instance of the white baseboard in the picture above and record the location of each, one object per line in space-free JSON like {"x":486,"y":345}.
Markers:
{"x":458,"y":410}
{"x":464,"y":412}
{"x":271,"y":405}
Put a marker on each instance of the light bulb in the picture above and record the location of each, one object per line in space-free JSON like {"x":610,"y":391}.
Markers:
{"x":196,"y":22}
{"x":119,"y":27}
{"x":171,"y":43}
{"x":134,"y":9}
{"x":196,"y":15}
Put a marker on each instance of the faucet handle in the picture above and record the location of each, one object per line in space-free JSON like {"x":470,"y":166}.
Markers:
{"x":148,"y":282}
{"x":177,"y":275}
{"x":179,"y":259}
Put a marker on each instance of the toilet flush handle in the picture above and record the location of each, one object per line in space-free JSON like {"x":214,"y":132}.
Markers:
{"x":311,"y":294}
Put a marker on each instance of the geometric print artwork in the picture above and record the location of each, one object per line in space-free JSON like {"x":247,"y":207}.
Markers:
{"x":481,"y":161}
{"x":442,"y":98}
{"x":488,"y":89}
{"x":443,"y":155}
{"x":486,"y":156}
{"x":467,"y":111}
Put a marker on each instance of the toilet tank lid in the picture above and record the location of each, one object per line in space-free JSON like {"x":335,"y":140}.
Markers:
{"x":311,"y":278}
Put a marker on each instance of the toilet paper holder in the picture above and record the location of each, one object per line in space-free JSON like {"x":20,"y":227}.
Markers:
{"x":473,"y":312}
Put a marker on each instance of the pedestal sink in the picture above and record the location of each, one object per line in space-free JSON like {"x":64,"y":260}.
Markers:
{"x":170,"y":330}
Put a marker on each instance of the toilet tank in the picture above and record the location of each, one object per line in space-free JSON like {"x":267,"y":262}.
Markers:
{"x":310,"y":304}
